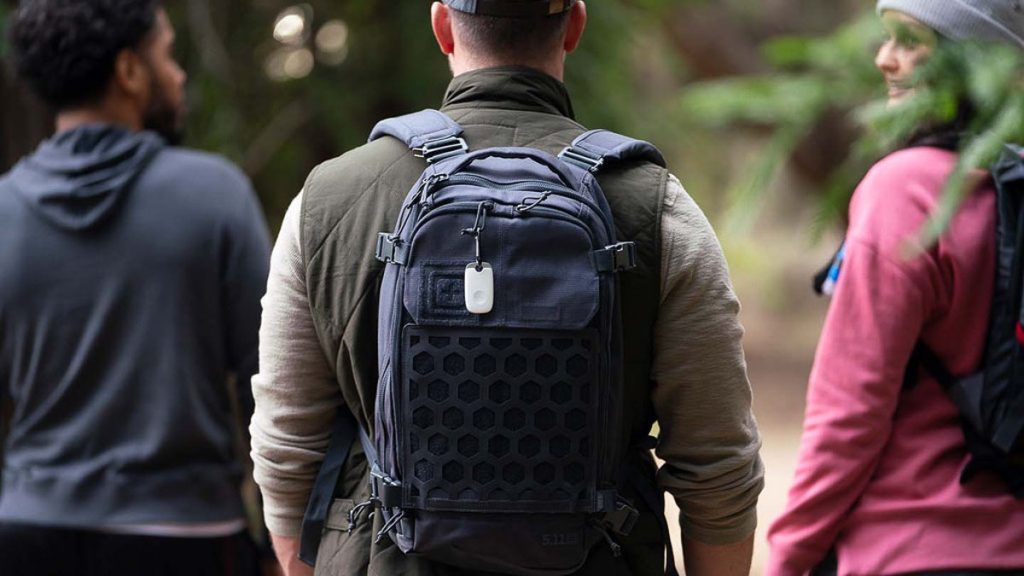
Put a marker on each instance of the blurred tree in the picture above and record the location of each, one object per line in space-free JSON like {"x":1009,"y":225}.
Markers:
{"x":278,"y":106}
{"x":815,"y":76}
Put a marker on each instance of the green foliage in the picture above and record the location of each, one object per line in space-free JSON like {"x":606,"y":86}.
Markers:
{"x":279,"y":130}
{"x":813,"y":76}
{"x":4,"y":11}
{"x":981,"y":82}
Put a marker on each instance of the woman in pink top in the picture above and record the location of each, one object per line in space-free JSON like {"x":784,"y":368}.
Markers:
{"x":877,"y":484}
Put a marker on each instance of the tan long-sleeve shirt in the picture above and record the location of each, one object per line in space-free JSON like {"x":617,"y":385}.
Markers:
{"x":709,"y":439}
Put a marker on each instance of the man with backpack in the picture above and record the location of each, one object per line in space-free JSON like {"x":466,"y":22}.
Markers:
{"x":478,"y":397}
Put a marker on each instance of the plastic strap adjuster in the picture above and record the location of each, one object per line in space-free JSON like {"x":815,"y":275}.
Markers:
{"x":587,"y":160}
{"x":441,"y":148}
{"x":388,"y":249}
{"x":622,"y":520}
{"x":384,"y":490}
{"x":616,"y":258}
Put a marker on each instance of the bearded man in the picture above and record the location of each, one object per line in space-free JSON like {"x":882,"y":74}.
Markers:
{"x":132,"y":273}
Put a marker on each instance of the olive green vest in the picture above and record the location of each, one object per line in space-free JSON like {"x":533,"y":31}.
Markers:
{"x":348,"y":200}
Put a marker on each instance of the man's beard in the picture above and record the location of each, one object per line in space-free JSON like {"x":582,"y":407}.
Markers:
{"x":163,"y":118}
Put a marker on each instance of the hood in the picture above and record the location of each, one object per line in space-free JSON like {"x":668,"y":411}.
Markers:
{"x":77,"y":178}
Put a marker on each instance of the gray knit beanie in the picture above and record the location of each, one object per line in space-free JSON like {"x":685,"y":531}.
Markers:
{"x":966,"y":19}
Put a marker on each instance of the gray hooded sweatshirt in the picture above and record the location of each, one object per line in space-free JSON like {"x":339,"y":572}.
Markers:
{"x":130,"y":280}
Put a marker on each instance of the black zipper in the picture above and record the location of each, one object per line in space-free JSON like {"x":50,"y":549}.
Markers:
{"x":538,"y":186}
{"x":473,"y":205}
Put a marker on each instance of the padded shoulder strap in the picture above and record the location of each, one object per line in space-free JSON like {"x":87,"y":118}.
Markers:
{"x":429,"y":133}
{"x":596,"y":148}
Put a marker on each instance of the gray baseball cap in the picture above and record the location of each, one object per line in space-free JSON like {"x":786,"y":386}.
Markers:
{"x":511,"y":8}
{"x":966,"y":19}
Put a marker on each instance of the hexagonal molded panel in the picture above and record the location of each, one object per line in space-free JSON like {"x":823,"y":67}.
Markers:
{"x":560,"y":446}
{"x":469,"y":446}
{"x":515,"y":365}
{"x":483,"y":473}
{"x":500,"y":392}
{"x":498,"y":446}
{"x":531,"y":343}
{"x":485,"y":365}
{"x":424,"y":471}
{"x":546,"y":365}
{"x":452,"y":419}
{"x":561,"y":393}
{"x":515,"y":419}
{"x":529,"y":446}
{"x":452,"y":472}
{"x":437,"y":390}
{"x":574,"y":473}
{"x":423,"y":363}
{"x":576,"y":420}
{"x":544,"y":473}
{"x":576,"y":366}
{"x":454,"y":364}
{"x":513,"y":473}
{"x":469,"y":391}
{"x":437,"y":445}
{"x":545,"y":419}
{"x":530,"y":392}
{"x":423,"y":417}
{"x":483,"y":419}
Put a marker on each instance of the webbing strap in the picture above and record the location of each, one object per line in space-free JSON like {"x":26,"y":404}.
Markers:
{"x":594,"y":149}
{"x":655,"y":501}
{"x":432,"y":135}
{"x":342,"y":437}
{"x":616,"y":258}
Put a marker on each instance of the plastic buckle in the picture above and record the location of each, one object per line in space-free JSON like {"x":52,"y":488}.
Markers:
{"x":622,"y":520}
{"x":623,"y":256}
{"x":387,"y":248}
{"x":587,"y":160}
{"x":384,"y":490}
{"x":441,"y":148}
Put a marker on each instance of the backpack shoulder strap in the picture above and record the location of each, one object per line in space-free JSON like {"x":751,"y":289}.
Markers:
{"x":430,"y":134}
{"x":597,"y":148}
{"x":342,"y":436}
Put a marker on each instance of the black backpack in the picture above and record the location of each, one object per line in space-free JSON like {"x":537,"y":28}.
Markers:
{"x":991,"y":400}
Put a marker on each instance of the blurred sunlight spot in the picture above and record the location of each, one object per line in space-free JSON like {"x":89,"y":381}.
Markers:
{"x":289,"y":64}
{"x":298,"y":63}
{"x":332,"y":42}
{"x":290,"y":27}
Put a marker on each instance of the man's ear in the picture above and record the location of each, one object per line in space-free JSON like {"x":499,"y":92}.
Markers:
{"x":574,"y":30}
{"x":441,"y":23}
{"x":131,"y":75}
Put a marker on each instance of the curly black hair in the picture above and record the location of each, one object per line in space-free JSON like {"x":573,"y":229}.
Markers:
{"x":66,"y":49}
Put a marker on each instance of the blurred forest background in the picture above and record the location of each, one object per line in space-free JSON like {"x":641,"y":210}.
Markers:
{"x":279,"y":86}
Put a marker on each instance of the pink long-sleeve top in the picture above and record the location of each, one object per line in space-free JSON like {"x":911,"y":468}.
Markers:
{"x":879,"y":466}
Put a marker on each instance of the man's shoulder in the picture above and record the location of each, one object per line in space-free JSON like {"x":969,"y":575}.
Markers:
{"x":190,"y":166}
{"x":361,"y":166}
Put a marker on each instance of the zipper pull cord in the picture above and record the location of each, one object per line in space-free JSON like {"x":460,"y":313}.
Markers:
{"x":530,"y":203}
{"x":389,"y":526}
{"x":353,"y":514}
{"x":478,"y":227}
{"x":616,"y":548}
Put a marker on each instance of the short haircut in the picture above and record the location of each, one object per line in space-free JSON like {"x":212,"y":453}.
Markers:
{"x":66,"y":49}
{"x":511,"y":39}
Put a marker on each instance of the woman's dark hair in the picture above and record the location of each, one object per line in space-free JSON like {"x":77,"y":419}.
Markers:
{"x":513,"y":39}
{"x":66,"y":49}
